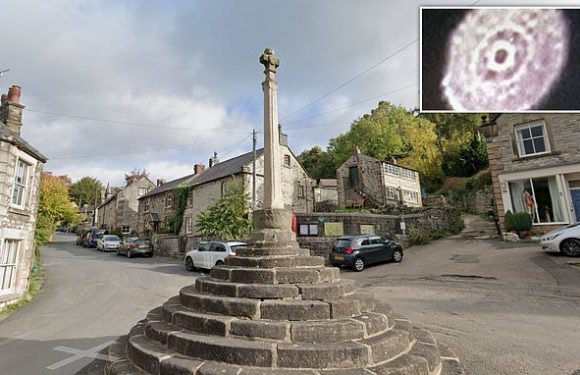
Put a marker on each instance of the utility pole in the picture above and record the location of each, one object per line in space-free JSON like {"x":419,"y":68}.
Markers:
{"x":254,"y":140}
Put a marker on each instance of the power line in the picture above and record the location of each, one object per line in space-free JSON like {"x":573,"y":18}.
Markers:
{"x":134,"y":152}
{"x":129,"y":123}
{"x":347,"y":106}
{"x":354,"y":78}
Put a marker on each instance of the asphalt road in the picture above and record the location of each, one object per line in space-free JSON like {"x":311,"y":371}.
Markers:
{"x":89,"y":299}
{"x":504,"y":309}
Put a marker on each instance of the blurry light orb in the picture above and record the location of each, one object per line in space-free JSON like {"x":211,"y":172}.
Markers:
{"x":505,"y":59}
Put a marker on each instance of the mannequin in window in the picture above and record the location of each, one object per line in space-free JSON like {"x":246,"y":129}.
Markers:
{"x":529,"y":203}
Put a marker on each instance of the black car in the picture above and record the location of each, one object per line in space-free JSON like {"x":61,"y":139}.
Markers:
{"x":359,"y":251}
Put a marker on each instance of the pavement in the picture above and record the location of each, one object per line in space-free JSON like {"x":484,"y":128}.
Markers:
{"x":503,"y":308}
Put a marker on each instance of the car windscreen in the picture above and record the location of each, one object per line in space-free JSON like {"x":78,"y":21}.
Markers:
{"x":148,"y":242}
{"x":111,"y":238}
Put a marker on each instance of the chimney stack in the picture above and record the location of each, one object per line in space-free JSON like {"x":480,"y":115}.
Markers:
{"x":160,"y":182}
{"x":11,"y":109}
{"x":214,"y":160}
{"x":198,"y":169}
{"x":356,"y":151}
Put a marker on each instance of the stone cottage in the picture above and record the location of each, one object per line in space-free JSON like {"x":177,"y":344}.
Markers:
{"x":534,"y":160}
{"x":120,"y":209}
{"x":208,"y":185}
{"x":20,"y":170}
{"x":326,"y":194}
{"x":364,"y":181}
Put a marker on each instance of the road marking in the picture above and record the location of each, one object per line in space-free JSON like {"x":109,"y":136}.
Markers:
{"x":80,"y":354}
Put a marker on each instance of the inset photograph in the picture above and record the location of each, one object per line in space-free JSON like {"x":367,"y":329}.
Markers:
{"x":500,"y":59}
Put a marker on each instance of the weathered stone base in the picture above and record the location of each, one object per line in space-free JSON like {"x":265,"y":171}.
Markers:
{"x":274,"y":309}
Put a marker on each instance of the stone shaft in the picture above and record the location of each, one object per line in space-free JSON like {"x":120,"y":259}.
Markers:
{"x":272,"y":164}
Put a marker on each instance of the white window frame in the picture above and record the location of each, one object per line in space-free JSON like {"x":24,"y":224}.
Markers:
{"x":169,"y":200}
{"x":12,"y":265}
{"x":143,"y":191}
{"x":520,"y":141}
{"x":189,"y":225}
{"x":26,"y":186}
{"x":287,"y":160}
{"x":126,"y":231}
{"x":146,"y":204}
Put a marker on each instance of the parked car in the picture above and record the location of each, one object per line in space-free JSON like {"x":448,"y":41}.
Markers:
{"x":211,"y":253}
{"x":565,"y":240}
{"x":108,"y":242}
{"x":135,"y":246}
{"x":359,"y":251}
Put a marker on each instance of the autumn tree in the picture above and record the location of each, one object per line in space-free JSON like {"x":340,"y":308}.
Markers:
{"x":54,"y":207}
{"x":228,"y":218}
{"x":87,"y":190}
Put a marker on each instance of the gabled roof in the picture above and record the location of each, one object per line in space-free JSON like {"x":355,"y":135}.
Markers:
{"x":220,"y":170}
{"x":226,"y":168}
{"x":9,"y":136}
{"x":329,"y":182}
{"x":170,"y":185}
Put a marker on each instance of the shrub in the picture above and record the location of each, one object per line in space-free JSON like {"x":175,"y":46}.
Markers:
{"x":509,"y":221}
{"x":522,"y":222}
{"x":419,"y":237}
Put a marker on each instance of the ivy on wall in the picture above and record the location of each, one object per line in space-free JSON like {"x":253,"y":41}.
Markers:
{"x":180,"y":195}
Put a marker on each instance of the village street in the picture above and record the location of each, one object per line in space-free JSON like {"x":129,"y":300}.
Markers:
{"x":504,"y":309}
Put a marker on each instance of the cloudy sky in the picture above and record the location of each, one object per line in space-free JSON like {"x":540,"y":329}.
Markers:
{"x":111,"y":86}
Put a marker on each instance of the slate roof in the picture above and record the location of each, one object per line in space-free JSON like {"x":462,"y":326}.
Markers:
{"x":329,"y":182}
{"x":220,"y":170}
{"x":9,"y":136}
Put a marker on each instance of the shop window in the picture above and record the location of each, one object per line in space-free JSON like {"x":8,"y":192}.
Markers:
{"x":539,"y":197}
{"x":532,"y":139}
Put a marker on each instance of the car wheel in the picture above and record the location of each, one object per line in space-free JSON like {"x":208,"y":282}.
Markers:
{"x":189,"y":264}
{"x":358,"y":265}
{"x":128,"y":253}
{"x":571,"y":247}
{"x":397,"y":256}
{"x":219,"y":263}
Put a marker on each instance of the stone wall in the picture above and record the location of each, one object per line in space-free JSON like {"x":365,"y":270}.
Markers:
{"x":427,"y":219}
{"x":18,"y":223}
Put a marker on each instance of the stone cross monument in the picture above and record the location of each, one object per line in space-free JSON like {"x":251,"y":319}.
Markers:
{"x":272,"y":176}
{"x":273,"y":309}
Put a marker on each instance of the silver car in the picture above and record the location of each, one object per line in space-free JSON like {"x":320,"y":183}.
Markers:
{"x":108,"y":242}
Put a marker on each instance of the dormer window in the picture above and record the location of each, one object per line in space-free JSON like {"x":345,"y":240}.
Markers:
{"x":532,"y":139}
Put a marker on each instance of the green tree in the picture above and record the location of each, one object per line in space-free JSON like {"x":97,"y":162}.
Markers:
{"x":54,"y":207}
{"x":317,"y":163}
{"x":87,"y":190}
{"x":228,"y":218}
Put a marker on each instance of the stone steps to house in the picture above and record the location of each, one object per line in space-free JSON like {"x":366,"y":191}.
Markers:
{"x":477,"y":227}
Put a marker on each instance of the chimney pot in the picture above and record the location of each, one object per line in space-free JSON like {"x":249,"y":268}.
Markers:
{"x":14,"y":94}
{"x":356,"y":151}
{"x":160,"y":182}
{"x":4,"y":99}
{"x":198,"y":169}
